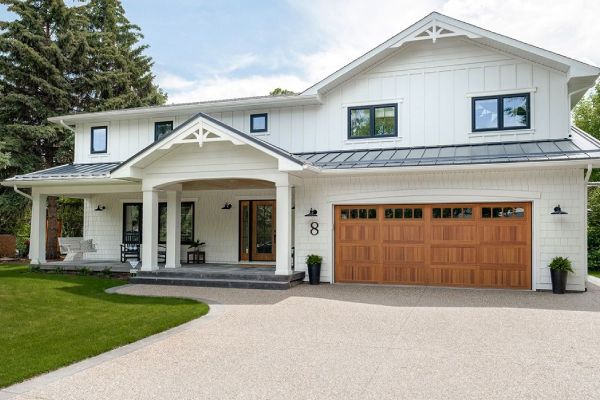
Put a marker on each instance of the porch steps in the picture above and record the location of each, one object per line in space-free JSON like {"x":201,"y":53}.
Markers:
{"x":239,"y":280}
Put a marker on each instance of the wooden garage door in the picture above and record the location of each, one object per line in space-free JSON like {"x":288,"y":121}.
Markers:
{"x":478,"y":245}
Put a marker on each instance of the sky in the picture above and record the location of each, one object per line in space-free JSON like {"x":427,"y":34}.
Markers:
{"x":206,"y":49}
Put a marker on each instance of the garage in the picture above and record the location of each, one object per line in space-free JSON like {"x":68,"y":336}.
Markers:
{"x":474,"y":245}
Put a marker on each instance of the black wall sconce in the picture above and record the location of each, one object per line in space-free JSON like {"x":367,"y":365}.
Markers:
{"x":311,"y":213}
{"x":558,"y":211}
{"x":226,"y":206}
{"x":100,"y":208}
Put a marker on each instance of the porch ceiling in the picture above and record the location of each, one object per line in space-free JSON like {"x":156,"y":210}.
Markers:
{"x":225,"y":184}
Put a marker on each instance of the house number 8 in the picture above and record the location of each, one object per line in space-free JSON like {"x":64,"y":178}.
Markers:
{"x":314,"y":228}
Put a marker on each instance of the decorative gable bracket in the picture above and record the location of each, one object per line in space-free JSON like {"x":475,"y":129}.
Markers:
{"x":201,"y":132}
{"x":435,"y":30}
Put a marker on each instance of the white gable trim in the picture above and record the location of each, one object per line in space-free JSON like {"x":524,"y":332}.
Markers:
{"x":435,"y":26}
{"x":199,"y":130}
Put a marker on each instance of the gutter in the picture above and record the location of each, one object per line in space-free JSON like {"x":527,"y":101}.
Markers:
{"x":62,"y":122}
{"x":17,"y":190}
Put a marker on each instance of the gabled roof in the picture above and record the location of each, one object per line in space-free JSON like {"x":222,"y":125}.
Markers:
{"x":580,"y":147}
{"x":202,"y":128}
{"x":435,"y":26}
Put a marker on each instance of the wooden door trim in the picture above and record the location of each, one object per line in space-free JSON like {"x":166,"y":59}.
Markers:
{"x":253,"y":255}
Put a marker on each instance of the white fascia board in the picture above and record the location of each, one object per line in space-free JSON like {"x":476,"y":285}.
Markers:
{"x":250,"y":103}
{"x":583,"y":163}
{"x":76,"y":185}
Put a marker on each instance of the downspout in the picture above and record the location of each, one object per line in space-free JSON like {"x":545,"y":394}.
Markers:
{"x":588,"y":174}
{"x":21,"y":192}
{"x":66,"y":126}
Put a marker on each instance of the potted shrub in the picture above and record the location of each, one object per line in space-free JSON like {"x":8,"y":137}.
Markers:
{"x":559,"y":268}
{"x":313,"y":262}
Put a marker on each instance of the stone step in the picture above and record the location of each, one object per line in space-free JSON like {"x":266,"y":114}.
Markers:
{"x":223,"y":283}
{"x":250,"y":276}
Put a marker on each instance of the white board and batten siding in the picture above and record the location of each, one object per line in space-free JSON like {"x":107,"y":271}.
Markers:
{"x":432,"y":83}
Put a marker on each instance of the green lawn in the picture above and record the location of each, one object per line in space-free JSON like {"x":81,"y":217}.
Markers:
{"x":49,"y":320}
{"x":594,"y":273}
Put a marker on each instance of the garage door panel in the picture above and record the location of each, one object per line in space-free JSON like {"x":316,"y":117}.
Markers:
{"x":453,"y":276}
{"x":502,"y":256}
{"x":406,"y":233}
{"x":504,"y":233}
{"x":454,"y":233}
{"x":408,"y":275}
{"x":476,"y":245}
{"x":360,"y":232}
{"x":403,"y":254}
{"x":465,"y":255}
{"x":503,"y":278}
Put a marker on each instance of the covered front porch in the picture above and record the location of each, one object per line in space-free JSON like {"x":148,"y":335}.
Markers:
{"x":204,"y":183}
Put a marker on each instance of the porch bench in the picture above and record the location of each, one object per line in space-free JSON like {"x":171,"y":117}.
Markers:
{"x":64,"y":241}
{"x":76,"y":250}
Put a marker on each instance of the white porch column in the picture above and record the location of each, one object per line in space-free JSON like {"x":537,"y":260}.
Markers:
{"x":173,"y":229}
{"x":283,"y":258}
{"x":37,"y":238}
{"x":150,"y":231}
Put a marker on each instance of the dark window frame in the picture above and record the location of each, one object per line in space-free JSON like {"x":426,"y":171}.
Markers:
{"x":156,"y":126}
{"x":372,"y":121}
{"x":92,"y":132}
{"x":141,"y":223}
{"x":252,"y":116}
{"x":164,"y":205}
{"x":500,"y":111}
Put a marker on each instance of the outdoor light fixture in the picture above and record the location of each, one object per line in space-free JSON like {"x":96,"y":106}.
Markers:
{"x":100,"y":208}
{"x":558,"y":211}
{"x":311,"y":213}
{"x":227,"y":206}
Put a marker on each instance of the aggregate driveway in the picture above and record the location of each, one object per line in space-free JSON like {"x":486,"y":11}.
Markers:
{"x":352,"y":342}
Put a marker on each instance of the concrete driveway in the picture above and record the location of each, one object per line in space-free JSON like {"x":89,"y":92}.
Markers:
{"x":352,"y":342}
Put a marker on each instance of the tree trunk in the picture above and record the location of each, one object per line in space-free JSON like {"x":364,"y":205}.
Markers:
{"x":52,"y":230}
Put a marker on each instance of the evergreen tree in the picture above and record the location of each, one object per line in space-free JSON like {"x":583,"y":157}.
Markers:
{"x":37,"y":52}
{"x":120,"y":75}
{"x":56,"y":60}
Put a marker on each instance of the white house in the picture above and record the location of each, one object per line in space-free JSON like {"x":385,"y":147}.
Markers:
{"x":436,"y":158}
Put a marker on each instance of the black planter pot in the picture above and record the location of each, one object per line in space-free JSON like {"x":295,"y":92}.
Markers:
{"x":314,"y":273}
{"x":559,"y":281}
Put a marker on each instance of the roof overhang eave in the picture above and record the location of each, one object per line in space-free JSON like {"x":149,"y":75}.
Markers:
{"x":583,"y":162}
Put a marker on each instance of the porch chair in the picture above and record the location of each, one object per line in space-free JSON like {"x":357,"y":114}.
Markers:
{"x":130,"y":248}
{"x":162,"y":253}
{"x":75,"y":251}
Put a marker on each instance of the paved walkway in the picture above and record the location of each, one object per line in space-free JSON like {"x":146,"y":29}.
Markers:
{"x":352,"y":342}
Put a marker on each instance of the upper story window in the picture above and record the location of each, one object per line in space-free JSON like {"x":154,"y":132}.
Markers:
{"x":99,"y":139}
{"x":372,"y":121}
{"x":505,"y":112}
{"x":258,"y":123}
{"x":161,"y":129}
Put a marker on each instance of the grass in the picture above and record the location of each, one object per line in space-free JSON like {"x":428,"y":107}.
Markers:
{"x":594,"y":273}
{"x":51,"y":320}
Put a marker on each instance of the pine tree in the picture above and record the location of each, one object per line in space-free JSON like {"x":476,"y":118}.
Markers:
{"x":120,"y":74}
{"x":38,"y":50}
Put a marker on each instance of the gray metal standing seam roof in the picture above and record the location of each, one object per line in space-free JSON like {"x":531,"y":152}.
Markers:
{"x":580,"y":146}
{"x":479,"y":153}
{"x":69,"y":171}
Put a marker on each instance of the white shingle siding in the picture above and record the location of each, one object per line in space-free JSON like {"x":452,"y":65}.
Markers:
{"x":553,"y":235}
